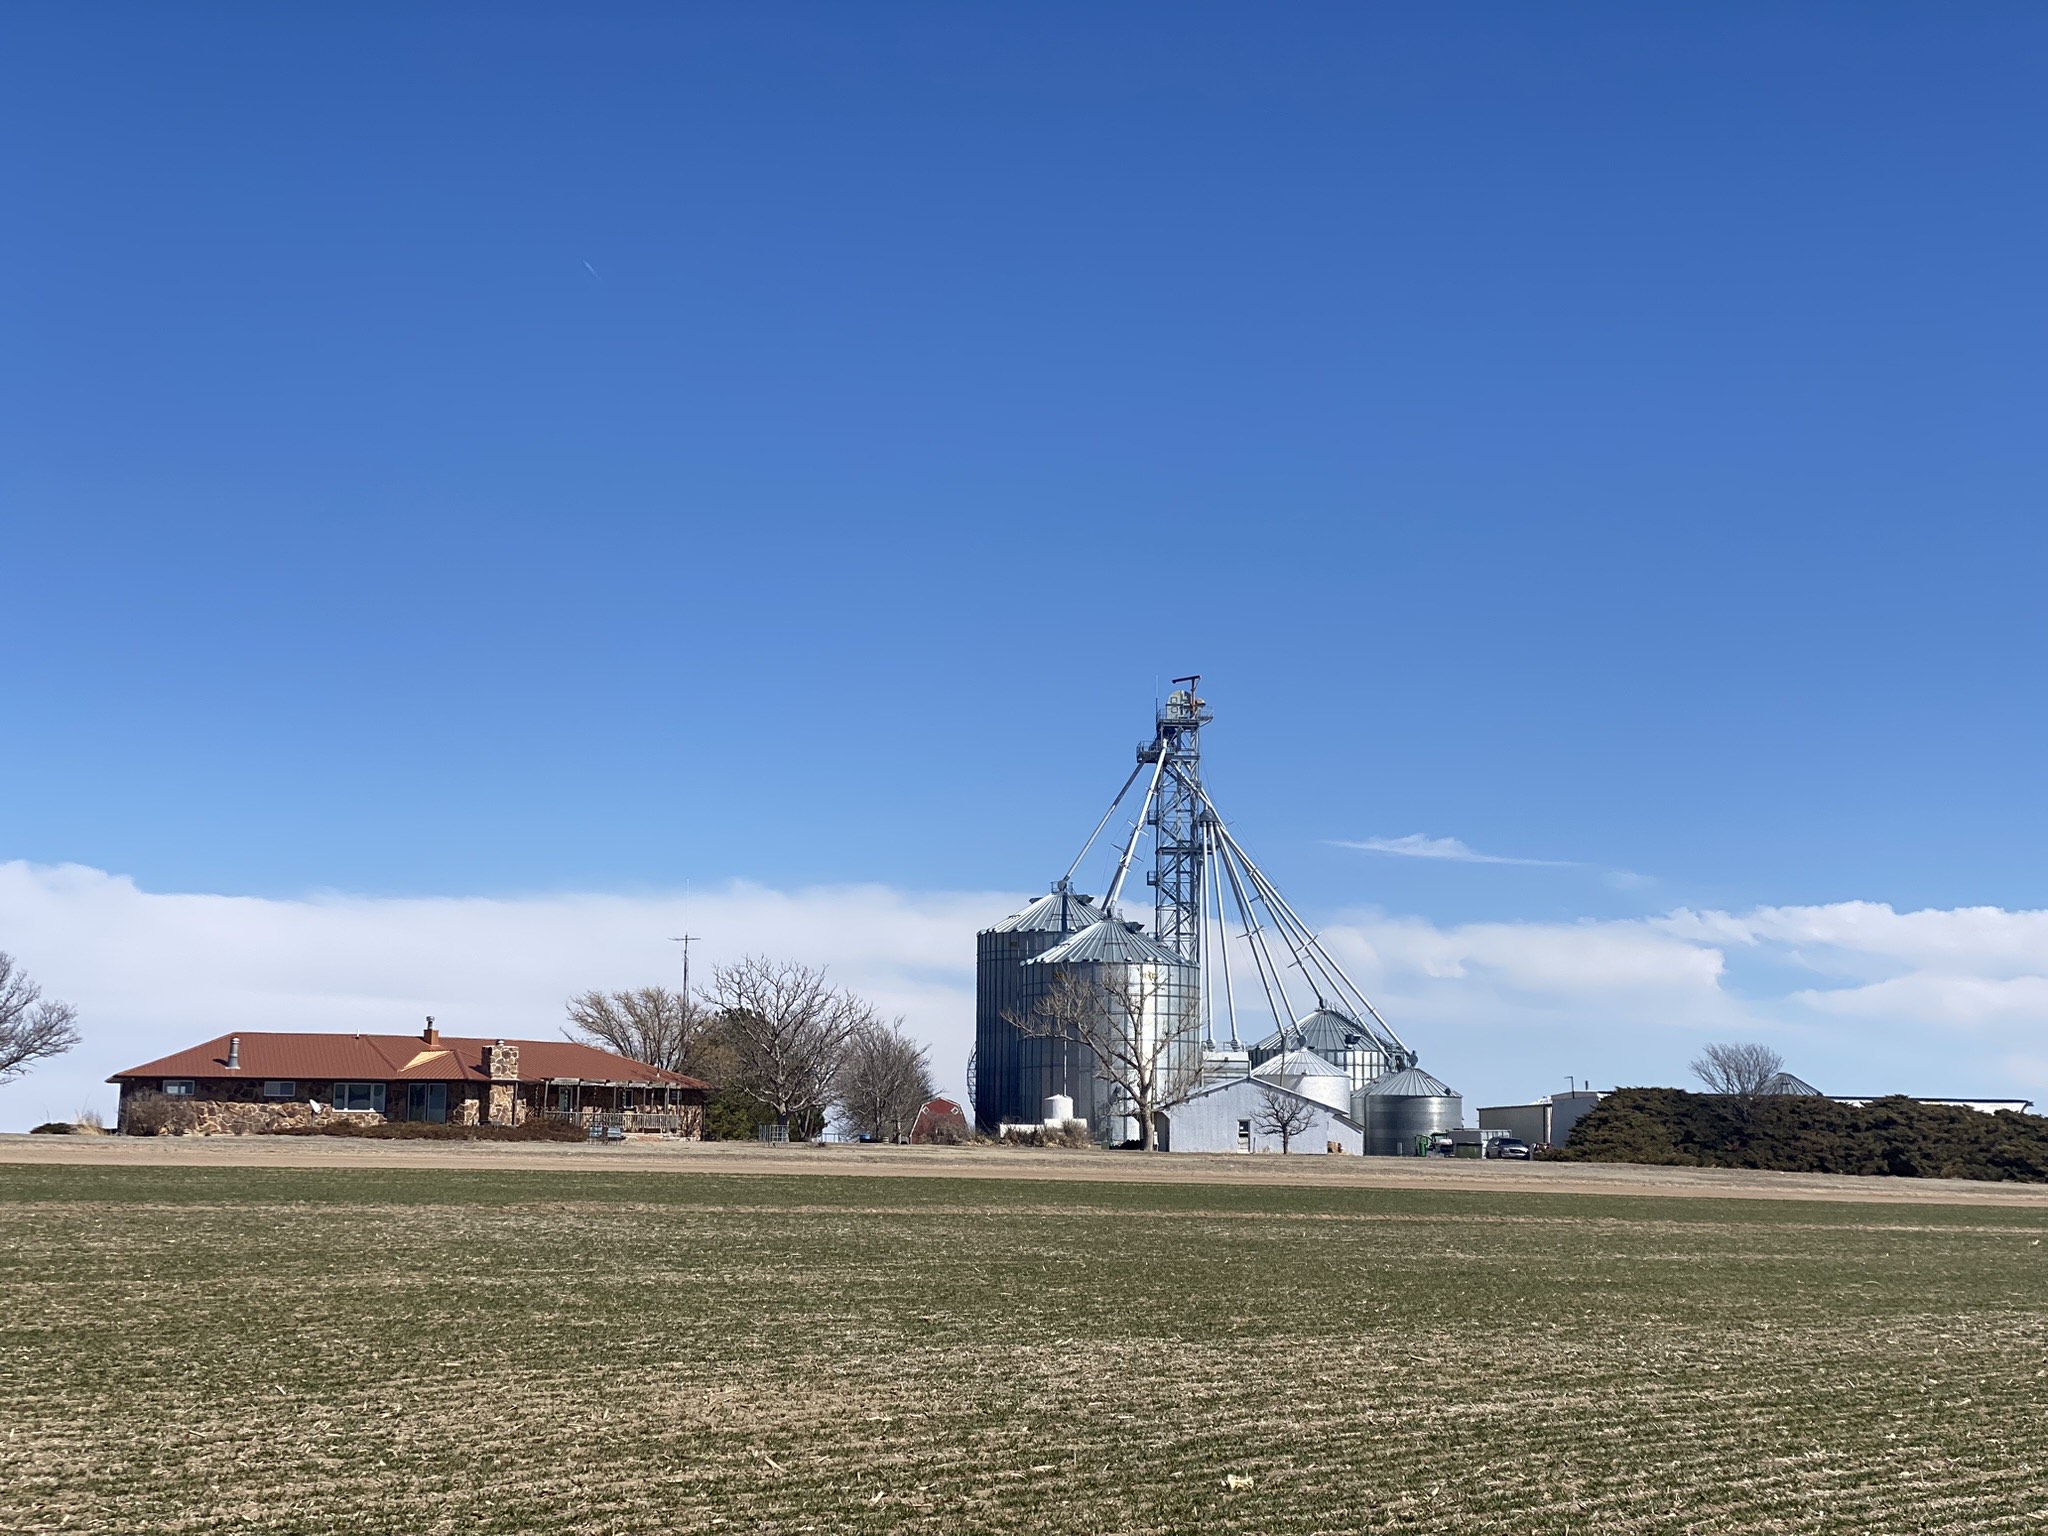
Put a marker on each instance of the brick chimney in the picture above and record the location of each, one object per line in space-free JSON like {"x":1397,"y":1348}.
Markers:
{"x":430,"y":1034}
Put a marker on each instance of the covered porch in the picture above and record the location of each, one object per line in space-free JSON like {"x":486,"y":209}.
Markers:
{"x":600,"y":1106}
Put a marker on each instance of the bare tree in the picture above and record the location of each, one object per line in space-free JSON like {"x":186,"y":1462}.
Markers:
{"x":33,"y":1028}
{"x":1739,"y":1071}
{"x":788,"y":1032}
{"x":884,"y":1081}
{"x":650,"y":1024}
{"x":1145,"y":1037}
{"x":1741,"y":1074}
{"x":1283,"y":1114}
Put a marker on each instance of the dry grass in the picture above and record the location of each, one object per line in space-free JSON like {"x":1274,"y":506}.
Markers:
{"x":254,"y":1350}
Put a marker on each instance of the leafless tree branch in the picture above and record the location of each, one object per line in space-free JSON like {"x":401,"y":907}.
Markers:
{"x":1145,"y":1037}
{"x":884,"y":1081}
{"x":33,"y":1028}
{"x":1741,"y":1074}
{"x":1739,"y":1071}
{"x":1283,"y":1114}
{"x":788,"y":1031}
{"x":650,"y":1024}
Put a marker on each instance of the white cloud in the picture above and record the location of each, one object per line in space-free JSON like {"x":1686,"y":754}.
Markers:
{"x":151,"y":973}
{"x":1937,"y":1002}
{"x":1961,"y":1002}
{"x":1848,"y":936}
{"x":1546,"y":958}
{"x":1417,"y":845}
{"x":1854,"y":994}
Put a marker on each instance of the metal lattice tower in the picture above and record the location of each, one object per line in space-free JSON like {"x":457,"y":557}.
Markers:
{"x":1177,"y":811}
{"x":1201,"y":875}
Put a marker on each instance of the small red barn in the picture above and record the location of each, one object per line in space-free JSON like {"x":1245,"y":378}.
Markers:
{"x":941,"y":1121}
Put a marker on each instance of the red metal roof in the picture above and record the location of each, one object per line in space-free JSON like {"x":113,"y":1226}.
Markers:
{"x":400,"y":1058}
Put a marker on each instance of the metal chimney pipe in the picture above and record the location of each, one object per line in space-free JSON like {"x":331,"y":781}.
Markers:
{"x":235,"y":1053}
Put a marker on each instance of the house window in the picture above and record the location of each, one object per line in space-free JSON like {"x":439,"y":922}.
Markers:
{"x":178,"y":1088}
{"x":360,"y":1097}
{"x":280,"y":1088}
{"x":629,"y":1099}
{"x":565,"y":1099}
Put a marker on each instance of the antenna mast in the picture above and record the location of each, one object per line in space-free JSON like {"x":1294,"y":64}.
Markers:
{"x":686,"y":940}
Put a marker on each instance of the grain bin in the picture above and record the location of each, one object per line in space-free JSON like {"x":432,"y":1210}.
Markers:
{"x":1127,"y":970}
{"x":1336,"y":1037}
{"x":1306,"y":1073}
{"x":1395,"y":1110}
{"x":1014,"y":1075}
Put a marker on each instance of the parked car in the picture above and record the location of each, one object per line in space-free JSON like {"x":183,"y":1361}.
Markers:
{"x":1508,"y":1146}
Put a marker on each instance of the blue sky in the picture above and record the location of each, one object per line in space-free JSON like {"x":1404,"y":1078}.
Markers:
{"x":484,"y":450}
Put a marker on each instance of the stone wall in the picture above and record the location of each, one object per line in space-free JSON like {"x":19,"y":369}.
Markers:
{"x":506,"y":1104}
{"x":235,"y":1106}
{"x":234,"y":1117}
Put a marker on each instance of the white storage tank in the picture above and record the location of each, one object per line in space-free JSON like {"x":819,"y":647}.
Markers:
{"x":1059,"y":1109}
{"x":1309,"y":1075}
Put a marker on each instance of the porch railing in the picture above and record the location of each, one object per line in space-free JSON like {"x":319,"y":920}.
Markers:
{"x":657,"y":1122}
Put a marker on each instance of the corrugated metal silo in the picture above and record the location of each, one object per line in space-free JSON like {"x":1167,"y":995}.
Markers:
{"x":1397,"y":1109}
{"x":1336,"y":1037}
{"x":1115,"y":952}
{"x":1309,"y":1075}
{"x":1009,"y":1068}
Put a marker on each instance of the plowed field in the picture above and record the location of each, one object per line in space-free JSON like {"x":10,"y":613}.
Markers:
{"x":337,"y":1350}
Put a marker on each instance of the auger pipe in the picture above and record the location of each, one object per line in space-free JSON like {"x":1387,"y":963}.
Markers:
{"x":1300,"y":938}
{"x":1311,"y":946}
{"x":1123,"y":867}
{"x":1221,"y":942}
{"x":1068,"y":877}
{"x":1309,"y":951}
{"x":1262,"y":955}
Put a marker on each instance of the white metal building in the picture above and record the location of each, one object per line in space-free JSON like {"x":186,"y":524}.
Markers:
{"x":1545,"y":1123}
{"x":1224,"y":1117}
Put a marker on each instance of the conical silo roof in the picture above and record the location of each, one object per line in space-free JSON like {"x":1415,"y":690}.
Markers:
{"x":1410,"y":1083}
{"x":1785,"y":1082}
{"x":1299,"y":1063}
{"x":1109,"y":942}
{"x":1325,"y":1031}
{"x":1054,"y":912}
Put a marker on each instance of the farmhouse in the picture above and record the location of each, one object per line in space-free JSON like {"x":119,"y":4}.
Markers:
{"x":424,"y":1077}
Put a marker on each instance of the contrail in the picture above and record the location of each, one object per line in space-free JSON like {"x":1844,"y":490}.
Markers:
{"x":592,"y":271}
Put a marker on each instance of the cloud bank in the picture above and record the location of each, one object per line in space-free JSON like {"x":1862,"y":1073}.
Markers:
{"x":1858,"y":997}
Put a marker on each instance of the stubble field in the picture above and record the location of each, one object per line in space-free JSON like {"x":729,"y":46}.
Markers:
{"x":342,"y":1350}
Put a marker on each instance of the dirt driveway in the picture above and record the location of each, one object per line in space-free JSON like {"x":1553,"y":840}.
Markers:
{"x":998,"y":1163}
